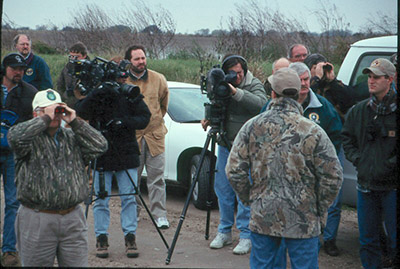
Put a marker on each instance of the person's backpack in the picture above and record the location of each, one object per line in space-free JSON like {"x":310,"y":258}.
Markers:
{"x":8,"y":119}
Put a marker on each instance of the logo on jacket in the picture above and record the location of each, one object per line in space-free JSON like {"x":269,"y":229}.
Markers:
{"x":29,"y":71}
{"x":314,"y":117}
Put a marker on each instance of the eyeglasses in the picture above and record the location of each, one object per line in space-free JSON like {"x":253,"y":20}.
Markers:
{"x":73,"y":57}
{"x":297,"y":56}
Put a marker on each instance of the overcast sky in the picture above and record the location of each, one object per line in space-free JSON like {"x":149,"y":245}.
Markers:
{"x":192,"y":15}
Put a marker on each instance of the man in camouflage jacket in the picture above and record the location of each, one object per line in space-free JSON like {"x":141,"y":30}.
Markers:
{"x":294,"y":176}
{"x":51,"y":182}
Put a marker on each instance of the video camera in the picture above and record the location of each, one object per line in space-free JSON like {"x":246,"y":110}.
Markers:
{"x":218,"y":92}
{"x":92,"y":74}
{"x":100,"y":77}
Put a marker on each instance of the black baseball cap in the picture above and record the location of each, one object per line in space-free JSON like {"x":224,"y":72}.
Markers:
{"x":314,"y":58}
{"x":14,"y":60}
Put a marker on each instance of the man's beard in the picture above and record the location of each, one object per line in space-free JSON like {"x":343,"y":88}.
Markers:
{"x":16,"y":80}
{"x":138,"y":70}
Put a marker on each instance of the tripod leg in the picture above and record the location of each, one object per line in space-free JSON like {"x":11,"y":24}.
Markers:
{"x":89,"y":199}
{"x":211,"y":173}
{"x":137,"y":191}
{"x":188,"y":198}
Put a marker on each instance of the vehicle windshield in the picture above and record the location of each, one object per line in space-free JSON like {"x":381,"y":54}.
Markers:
{"x":186,"y":104}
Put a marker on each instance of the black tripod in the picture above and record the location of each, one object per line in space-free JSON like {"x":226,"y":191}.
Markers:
{"x":102,"y":194}
{"x":211,"y":137}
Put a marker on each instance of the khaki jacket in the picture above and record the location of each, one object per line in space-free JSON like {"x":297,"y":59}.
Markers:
{"x":154,"y":88}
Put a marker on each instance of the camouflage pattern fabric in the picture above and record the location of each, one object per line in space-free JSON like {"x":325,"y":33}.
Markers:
{"x":52,"y":176}
{"x":294,"y":171}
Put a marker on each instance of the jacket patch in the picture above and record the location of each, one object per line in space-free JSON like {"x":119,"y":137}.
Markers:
{"x":29,"y":71}
{"x":314,"y":117}
{"x":392,"y":133}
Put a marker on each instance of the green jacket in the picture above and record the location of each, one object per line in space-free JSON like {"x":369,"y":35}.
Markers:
{"x":245,"y":104}
{"x":371,"y":147}
{"x":50,"y":171}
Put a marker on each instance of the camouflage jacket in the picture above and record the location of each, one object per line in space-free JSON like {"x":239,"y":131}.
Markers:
{"x":294,"y":171}
{"x":51,"y":175}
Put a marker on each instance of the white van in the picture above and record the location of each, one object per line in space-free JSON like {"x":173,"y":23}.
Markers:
{"x":359,"y":56}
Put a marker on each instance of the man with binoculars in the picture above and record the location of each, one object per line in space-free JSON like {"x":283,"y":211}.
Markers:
{"x":51,"y":182}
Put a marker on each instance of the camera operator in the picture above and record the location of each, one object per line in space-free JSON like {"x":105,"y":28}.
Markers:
{"x":51,"y":182}
{"x":66,"y":83}
{"x":323,"y":82}
{"x":118,"y":111}
{"x":247,"y":98}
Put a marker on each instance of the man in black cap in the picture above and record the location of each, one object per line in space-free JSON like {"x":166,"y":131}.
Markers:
{"x":323,"y":82}
{"x":16,"y":106}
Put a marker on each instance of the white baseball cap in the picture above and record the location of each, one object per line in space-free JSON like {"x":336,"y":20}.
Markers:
{"x":46,"y":98}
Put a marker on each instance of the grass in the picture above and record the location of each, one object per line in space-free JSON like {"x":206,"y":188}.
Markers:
{"x":173,"y":69}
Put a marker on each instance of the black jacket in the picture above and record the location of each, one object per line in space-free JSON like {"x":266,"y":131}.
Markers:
{"x":117,"y":117}
{"x":19,"y":100}
{"x":369,"y":142}
{"x":340,"y":95}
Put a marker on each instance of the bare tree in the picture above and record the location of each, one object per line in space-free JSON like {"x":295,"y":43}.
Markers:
{"x":381,"y":23}
{"x":141,"y":16}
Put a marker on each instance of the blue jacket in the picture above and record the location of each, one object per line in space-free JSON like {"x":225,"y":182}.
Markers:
{"x":37,"y":72}
{"x":323,"y":113}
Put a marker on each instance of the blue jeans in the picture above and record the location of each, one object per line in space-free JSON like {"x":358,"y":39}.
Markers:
{"x":334,"y":211}
{"x":373,"y":208}
{"x":303,"y":253}
{"x":101,"y":211}
{"x":333,"y":220}
{"x":7,"y":168}
{"x":227,"y":200}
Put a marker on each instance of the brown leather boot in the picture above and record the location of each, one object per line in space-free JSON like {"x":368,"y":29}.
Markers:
{"x":10,"y":259}
{"x":102,"y":246}
{"x":131,"y":248}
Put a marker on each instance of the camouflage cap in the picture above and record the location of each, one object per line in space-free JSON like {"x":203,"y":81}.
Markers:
{"x":381,"y":67}
{"x":46,"y":98}
{"x":284,"y":78}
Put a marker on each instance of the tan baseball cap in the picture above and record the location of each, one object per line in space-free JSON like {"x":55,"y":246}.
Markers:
{"x":285,"y":78}
{"x":381,"y":67}
{"x":46,"y":98}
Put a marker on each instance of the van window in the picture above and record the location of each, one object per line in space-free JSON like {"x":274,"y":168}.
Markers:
{"x":359,"y":81}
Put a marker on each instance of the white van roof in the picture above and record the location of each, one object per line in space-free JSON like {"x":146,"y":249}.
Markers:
{"x":377,"y":42}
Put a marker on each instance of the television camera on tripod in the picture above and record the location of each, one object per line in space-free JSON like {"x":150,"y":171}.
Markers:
{"x":235,"y":96}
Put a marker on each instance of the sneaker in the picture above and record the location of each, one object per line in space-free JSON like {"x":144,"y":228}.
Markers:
{"x":130,"y":246}
{"x":330,"y":248}
{"x":102,"y":246}
{"x":221,"y":240}
{"x":243,"y":247}
{"x":162,"y":223}
{"x":10,"y":259}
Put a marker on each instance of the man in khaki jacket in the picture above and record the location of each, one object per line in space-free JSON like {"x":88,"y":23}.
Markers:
{"x":151,"y":140}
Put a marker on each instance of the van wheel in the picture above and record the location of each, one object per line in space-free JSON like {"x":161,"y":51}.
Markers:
{"x":199,"y":196}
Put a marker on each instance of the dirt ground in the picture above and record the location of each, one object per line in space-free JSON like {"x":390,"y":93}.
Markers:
{"x":191,"y":249}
